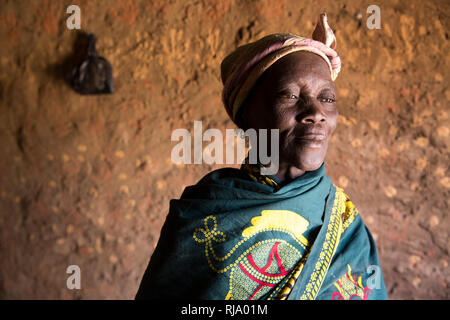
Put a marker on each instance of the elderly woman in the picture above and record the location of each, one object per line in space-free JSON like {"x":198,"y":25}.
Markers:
{"x":240,"y":234}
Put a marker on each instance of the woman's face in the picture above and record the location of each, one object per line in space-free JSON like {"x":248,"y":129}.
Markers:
{"x":297,"y":96}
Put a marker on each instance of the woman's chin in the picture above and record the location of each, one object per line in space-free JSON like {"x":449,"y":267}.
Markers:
{"x":309,"y":160}
{"x":309,"y":163}
{"x":312,"y":167}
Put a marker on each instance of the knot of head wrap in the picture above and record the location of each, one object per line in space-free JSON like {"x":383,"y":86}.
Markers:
{"x":242,"y":68}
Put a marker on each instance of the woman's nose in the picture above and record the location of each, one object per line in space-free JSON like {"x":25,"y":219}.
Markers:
{"x":312,"y":113}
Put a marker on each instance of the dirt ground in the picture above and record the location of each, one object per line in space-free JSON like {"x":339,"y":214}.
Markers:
{"x":87,"y":180}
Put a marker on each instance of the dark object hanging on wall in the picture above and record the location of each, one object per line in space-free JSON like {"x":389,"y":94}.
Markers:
{"x":94,"y":74}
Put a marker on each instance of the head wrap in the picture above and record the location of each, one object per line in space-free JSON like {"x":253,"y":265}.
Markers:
{"x":241,"y":69}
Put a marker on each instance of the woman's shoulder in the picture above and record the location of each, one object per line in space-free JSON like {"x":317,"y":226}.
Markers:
{"x":220,"y":182}
{"x":350,"y":212}
{"x":353,"y":225}
{"x":220,"y":175}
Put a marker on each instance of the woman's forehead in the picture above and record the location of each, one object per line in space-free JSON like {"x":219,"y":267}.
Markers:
{"x":303,"y":63}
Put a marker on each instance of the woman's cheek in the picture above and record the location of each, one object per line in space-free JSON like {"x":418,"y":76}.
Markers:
{"x":333,"y":120}
{"x":285,"y":116}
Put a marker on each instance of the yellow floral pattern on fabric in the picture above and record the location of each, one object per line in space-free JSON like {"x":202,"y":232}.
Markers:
{"x":328,"y":249}
{"x":287,"y":288}
{"x":343,"y":213}
{"x":350,"y":288}
{"x":350,"y":212}
{"x":282,"y":220}
{"x":254,"y":171}
{"x":265,"y":264}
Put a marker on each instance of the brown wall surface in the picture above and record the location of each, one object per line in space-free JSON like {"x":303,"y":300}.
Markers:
{"x":87,"y":180}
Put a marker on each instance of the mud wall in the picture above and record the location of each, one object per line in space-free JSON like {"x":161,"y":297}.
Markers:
{"x":87,"y":180}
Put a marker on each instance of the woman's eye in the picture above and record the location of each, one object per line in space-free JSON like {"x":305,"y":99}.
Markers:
{"x":327,"y":100}
{"x":287,"y":96}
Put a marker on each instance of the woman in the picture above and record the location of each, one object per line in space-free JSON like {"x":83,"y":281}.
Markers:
{"x":238,"y":234}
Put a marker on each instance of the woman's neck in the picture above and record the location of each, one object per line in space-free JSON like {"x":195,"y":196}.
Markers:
{"x":288,"y":173}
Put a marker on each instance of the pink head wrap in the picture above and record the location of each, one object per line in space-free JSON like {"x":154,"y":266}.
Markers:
{"x":241,"y":69}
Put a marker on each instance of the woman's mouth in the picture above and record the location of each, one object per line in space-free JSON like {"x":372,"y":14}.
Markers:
{"x":313,"y":136}
{"x":314,"y":140}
